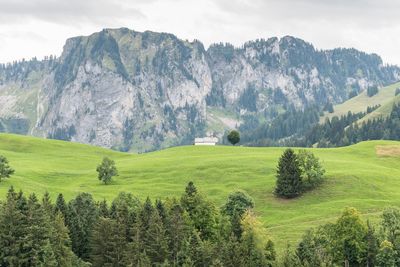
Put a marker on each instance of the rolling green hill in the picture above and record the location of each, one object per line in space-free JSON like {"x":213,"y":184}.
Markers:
{"x":356,"y":176}
{"x":385,"y":97}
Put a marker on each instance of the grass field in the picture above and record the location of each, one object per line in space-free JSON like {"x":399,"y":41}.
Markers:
{"x":385,"y":97}
{"x":356,"y":177}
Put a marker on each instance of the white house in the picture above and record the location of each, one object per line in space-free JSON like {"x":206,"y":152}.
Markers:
{"x":206,"y":141}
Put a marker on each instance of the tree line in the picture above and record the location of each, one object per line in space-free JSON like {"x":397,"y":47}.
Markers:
{"x":346,"y":131}
{"x":302,"y":129}
{"x":189,"y":231}
{"x":186,"y":231}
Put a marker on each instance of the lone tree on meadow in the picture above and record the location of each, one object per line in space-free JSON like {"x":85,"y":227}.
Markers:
{"x":5,"y":170}
{"x":289,"y":182}
{"x":106,"y":170}
{"x":233,"y":137}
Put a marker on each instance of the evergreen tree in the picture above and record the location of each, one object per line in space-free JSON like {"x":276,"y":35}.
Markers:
{"x":156,"y":245}
{"x":60,"y":241}
{"x":201,"y":212}
{"x":178,"y":228}
{"x":5,"y":170}
{"x":61,"y":205}
{"x":134,"y":253}
{"x":311,"y":252}
{"x":190,"y":200}
{"x":231,"y":252}
{"x":103,"y":209}
{"x":82,"y":215}
{"x":108,"y":244}
{"x":48,"y":258}
{"x":144,"y":260}
{"x":138,"y":234}
{"x":46,"y":204}
{"x":251,"y":254}
{"x":270,"y":253}
{"x":289,"y":258}
{"x":161,"y":211}
{"x":35,"y":244}
{"x":145,"y":215}
{"x":125,"y":209}
{"x":289,"y":183}
{"x":191,"y":253}
{"x":12,"y":231}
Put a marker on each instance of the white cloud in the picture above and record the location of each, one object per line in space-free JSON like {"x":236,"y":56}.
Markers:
{"x":40,"y":27}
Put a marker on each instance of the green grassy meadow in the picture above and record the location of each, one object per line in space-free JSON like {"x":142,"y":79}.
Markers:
{"x":385,"y":97}
{"x":356,"y":177}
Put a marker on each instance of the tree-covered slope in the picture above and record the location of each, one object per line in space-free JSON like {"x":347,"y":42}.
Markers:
{"x":364,"y":176}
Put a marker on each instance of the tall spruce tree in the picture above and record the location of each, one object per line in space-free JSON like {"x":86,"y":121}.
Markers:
{"x":5,"y":170}
{"x":231,"y":252}
{"x":47,"y":205}
{"x":108,"y":244}
{"x":61,"y":206}
{"x":48,"y":259}
{"x":60,"y":241}
{"x":289,"y":182}
{"x":178,"y":228}
{"x":155,"y":244}
{"x":36,"y":243}
{"x":12,"y":230}
{"x":82,"y":215}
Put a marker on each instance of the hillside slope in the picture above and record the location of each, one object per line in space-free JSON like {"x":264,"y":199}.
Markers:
{"x":356,"y":177}
{"x":385,"y":98}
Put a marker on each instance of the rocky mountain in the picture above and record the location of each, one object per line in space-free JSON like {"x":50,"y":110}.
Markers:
{"x":136,"y":91}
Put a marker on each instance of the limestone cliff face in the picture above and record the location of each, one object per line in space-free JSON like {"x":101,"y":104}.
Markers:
{"x":122,"y":89}
{"x":136,"y":91}
{"x":293,"y":71}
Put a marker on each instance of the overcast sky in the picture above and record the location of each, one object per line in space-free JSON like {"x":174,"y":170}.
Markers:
{"x":40,"y":27}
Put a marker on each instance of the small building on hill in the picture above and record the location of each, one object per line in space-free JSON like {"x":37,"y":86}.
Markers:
{"x":206,"y":141}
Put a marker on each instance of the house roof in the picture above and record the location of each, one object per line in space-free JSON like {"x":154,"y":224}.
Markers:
{"x":206,"y":140}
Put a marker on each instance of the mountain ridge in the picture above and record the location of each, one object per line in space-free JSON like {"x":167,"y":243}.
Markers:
{"x":141,"y":91}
